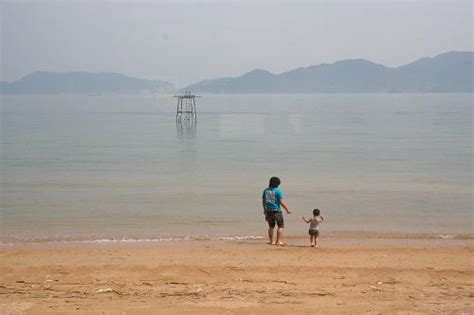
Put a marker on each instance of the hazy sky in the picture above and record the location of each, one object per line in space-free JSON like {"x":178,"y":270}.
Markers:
{"x":186,"y":41}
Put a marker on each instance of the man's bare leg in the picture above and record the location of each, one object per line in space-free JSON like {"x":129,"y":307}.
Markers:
{"x":270,"y":235}
{"x":279,"y":235}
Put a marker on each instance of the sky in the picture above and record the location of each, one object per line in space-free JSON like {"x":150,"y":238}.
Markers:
{"x":183,"y":42}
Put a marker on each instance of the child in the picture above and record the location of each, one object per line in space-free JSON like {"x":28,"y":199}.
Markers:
{"x":314,"y":227}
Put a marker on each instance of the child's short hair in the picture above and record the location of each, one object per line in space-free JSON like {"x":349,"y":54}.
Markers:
{"x":316,"y":212}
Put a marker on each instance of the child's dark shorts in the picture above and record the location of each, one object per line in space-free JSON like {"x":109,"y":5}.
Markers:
{"x":313,"y":233}
{"x":275,"y":218}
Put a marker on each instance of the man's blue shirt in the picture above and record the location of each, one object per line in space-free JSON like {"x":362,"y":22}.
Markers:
{"x":272,"y":197}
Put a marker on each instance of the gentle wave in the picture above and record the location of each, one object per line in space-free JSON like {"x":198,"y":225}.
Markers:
{"x":12,"y":241}
{"x":447,"y":236}
{"x":131,"y":240}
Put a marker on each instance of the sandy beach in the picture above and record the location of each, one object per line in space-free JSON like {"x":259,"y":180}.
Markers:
{"x":217,"y":277}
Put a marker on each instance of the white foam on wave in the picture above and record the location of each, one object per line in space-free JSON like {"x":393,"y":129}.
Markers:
{"x":446,"y":236}
{"x":135,"y":240}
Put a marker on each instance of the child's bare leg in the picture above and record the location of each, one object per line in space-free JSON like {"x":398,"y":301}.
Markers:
{"x":279,"y":235}
{"x":270,"y":235}
{"x":316,"y":241}
{"x":311,"y":239}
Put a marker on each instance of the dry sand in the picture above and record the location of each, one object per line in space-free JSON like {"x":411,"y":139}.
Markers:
{"x":238,"y":278}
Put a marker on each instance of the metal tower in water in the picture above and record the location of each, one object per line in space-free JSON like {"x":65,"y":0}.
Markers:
{"x":186,"y":107}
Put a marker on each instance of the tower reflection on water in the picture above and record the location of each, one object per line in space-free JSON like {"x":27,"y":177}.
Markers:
{"x":186,"y":115}
{"x":186,"y":127}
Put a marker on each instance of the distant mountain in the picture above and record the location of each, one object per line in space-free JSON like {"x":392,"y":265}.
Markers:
{"x":448,"y":72}
{"x":82,"y":83}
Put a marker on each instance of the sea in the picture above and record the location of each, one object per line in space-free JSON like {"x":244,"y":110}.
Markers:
{"x":121,"y":168}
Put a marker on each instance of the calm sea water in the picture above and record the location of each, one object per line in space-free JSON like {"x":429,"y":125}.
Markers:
{"x":93,"y":167}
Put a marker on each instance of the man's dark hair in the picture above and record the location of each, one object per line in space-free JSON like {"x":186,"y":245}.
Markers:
{"x":274,"y":182}
{"x":316,"y":212}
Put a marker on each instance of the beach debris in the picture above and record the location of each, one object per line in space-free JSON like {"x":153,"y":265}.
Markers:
{"x":199,"y":288}
{"x":321,"y":293}
{"x":245,"y":280}
{"x":375,"y":288}
{"x":204,"y":271}
{"x":108,"y":290}
{"x":146,"y":283}
{"x":172,"y":294}
{"x":277,"y":281}
{"x":283,"y":281}
{"x":391,"y":281}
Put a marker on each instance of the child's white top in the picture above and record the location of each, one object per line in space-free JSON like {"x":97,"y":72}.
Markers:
{"x":313,"y":224}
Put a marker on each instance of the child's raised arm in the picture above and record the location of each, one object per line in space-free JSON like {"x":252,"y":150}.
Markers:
{"x":305,"y":220}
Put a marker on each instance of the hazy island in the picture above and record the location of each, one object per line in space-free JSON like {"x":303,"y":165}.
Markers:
{"x":450,"y":72}
{"x":42,"y":82}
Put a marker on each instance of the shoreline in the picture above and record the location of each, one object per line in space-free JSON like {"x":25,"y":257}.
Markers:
{"x":333,"y":237}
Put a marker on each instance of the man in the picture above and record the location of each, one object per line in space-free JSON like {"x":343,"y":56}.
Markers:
{"x":272,"y":199}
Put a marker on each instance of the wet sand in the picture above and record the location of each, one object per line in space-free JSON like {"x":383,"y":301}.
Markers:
{"x":239,"y":278}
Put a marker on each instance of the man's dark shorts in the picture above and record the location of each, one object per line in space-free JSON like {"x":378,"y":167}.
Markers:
{"x":275,"y":218}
